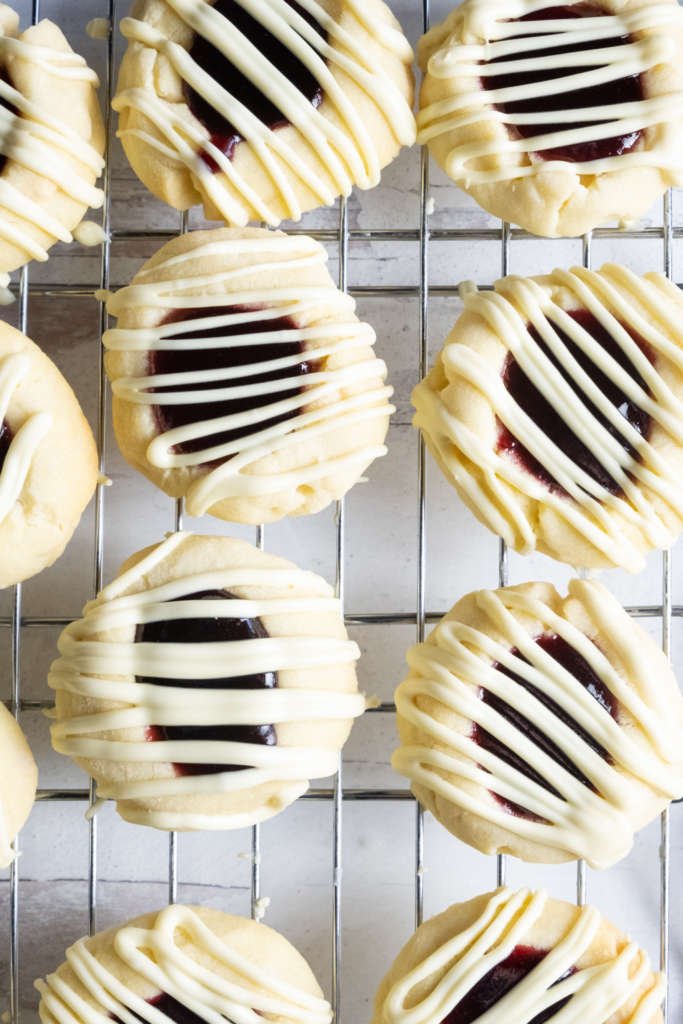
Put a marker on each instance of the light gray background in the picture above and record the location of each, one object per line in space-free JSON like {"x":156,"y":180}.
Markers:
{"x":381,"y":576}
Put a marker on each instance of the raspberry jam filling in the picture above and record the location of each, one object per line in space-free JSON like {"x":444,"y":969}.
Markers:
{"x":224,"y":135}
{"x":532,"y":402}
{"x":172,"y":1009}
{"x":193,"y":360}
{"x":498,"y":982}
{"x":199,"y":631}
{"x":5,"y":441}
{"x":624,"y":90}
{"x":574,"y":663}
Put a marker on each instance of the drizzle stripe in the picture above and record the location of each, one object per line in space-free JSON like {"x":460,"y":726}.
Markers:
{"x":596,"y":992}
{"x":492,"y":480}
{"x":236,"y":989}
{"x":472,"y":164}
{"x":93,"y":669}
{"x":345,"y":149}
{"x":366,"y":396}
{"x":36,"y":141}
{"x":14,"y":369}
{"x":457,"y":661}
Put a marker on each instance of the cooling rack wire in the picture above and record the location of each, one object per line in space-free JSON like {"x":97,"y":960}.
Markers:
{"x":336,"y":793}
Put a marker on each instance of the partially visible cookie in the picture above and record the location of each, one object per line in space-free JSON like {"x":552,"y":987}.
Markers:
{"x":262,"y":111}
{"x":187,"y":964}
{"x":242,"y":378}
{"x":52,"y":140}
{"x":543,"y":726}
{"x":557,"y":117}
{"x":508,"y":957}
{"x":48,"y":459}
{"x":555,"y":408}
{"x":206,"y":685}
{"x":18,"y":781}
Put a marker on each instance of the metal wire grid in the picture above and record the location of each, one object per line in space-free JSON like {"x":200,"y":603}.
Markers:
{"x":343,"y":235}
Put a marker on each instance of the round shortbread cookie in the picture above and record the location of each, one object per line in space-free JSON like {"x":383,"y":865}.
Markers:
{"x":243,"y":380}
{"x":541,"y":726}
{"x":182,"y":964}
{"x":18,"y":781}
{"x":555,"y":408}
{"x":262,"y":111}
{"x":557,"y":117}
{"x":48,"y":459}
{"x":519,"y":956}
{"x":206,"y":685}
{"x":52,"y":142}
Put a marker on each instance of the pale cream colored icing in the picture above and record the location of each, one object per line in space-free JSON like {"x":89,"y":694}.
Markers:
{"x":340,"y":331}
{"x":236,"y":989}
{"x":89,"y":233}
{"x":483,"y":31}
{"x":98,"y":28}
{"x":596,"y":992}
{"x":594,"y":824}
{"x":14,"y":369}
{"x":492,"y":480}
{"x":105,"y":670}
{"x":35,"y":140}
{"x":340,"y":141}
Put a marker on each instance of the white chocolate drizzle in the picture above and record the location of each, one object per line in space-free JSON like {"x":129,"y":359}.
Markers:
{"x":98,"y":28}
{"x":105,"y":670}
{"x":340,"y":331}
{"x":14,"y":369}
{"x":457,"y":661}
{"x":651,"y":495}
{"x":89,"y":233}
{"x":482,"y":30}
{"x":596,"y":992}
{"x":226,"y":986}
{"x":39,"y":142}
{"x":339,"y":140}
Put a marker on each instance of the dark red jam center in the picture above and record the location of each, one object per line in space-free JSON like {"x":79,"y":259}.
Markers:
{"x":5,"y":441}
{"x":223,"y":134}
{"x":623,"y":90}
{"x":193,"y":360}
{"x":533,"y":403}
{"x":209,"y":630}
{"x":498,"y":982}
{"x":574,"y":663}
{"x":171,"y":1008}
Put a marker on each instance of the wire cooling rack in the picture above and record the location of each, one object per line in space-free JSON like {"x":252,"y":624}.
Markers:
{"x":16,"y":623}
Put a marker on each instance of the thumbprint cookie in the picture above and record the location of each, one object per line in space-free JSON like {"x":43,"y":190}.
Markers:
{"x":207,"y":685}
{"x":511,"y":957}
{"x":18,"y":781}
{"x":48,"y":459}
{"x":557,"y":117}
{"x":262,"y":109}
{"x":242,"y":378}
{"x":51,"y":142}
{"x":541,"y":726}
{"x":555,"y":408}
{"x":183,"y":965}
